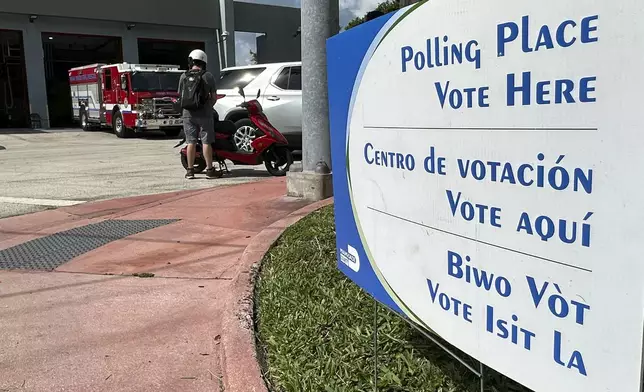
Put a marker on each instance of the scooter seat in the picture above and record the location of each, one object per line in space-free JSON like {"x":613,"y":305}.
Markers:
{"x":225,"y":145}
{"x":226,"y":127}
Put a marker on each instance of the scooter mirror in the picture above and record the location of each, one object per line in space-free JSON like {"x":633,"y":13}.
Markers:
{"x":241,"y":92}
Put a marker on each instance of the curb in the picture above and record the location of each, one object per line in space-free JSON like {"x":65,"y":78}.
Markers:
{"x":241,"y":370}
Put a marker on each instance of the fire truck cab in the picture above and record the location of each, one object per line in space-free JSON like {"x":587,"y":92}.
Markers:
{"x":128,"y":98}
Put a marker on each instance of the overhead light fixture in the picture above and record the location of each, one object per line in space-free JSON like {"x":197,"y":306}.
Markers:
{"x":32,"y":18}
{"x":50,"y":37}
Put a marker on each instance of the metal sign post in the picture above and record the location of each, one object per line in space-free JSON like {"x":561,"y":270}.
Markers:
{"x":480,"y":373}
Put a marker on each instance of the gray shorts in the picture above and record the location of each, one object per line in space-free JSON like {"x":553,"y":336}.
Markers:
{"x":199,"y":128}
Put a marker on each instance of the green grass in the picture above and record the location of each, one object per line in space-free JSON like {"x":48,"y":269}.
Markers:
{"x":315,"y":327}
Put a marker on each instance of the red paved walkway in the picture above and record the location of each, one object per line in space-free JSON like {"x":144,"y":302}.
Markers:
{"x":78,"y":329}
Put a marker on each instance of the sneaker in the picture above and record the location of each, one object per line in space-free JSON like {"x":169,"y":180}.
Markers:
{"x":190,"y":174}
{"x":214,"y":173}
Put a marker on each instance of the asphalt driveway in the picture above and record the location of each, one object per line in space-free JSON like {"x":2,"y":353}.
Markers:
{"x":67,"y":167}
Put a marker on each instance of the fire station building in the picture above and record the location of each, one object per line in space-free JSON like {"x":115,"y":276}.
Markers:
{"x":40,"y":41}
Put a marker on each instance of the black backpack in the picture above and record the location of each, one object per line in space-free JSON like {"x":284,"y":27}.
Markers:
{"x":194,"y":93}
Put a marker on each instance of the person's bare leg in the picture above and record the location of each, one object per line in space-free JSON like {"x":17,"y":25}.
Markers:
{"x":192,"y":152}
{"x":207,"y":151}
{"x":208,"y":136}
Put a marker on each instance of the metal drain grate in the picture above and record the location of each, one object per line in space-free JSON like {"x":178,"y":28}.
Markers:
{"x":48,"y":253}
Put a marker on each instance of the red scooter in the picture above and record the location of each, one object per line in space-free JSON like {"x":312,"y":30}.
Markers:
{"x":269,"y":145}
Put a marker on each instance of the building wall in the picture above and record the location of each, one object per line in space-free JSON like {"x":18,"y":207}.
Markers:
{"x":34,"y":56}
{"x":279,"y":43}
{"x":152,"y":19}
{"x":199,"y":13}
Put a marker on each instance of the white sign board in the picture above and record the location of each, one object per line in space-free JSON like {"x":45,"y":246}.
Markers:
{"x":487,"y":162}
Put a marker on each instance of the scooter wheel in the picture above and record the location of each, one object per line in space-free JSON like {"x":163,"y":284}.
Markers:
{"x":199,"y":167}
{"x":278,"y":161}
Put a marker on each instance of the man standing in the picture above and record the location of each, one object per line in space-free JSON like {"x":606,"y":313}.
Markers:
{"x":198,"y":94}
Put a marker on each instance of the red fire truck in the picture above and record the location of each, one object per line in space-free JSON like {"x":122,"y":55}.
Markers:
{"x":128,"y":98}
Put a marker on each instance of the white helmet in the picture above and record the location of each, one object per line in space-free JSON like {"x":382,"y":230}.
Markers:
{"x":198,"y":54}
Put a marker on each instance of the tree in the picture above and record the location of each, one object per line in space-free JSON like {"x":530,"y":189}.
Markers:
{"x":383,"y":8}
{"x":253,"y":58}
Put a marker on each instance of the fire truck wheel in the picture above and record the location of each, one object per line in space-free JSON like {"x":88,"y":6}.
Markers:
{"x":119,"y":127}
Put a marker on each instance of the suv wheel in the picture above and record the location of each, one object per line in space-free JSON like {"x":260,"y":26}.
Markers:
{"x":245,"y":134}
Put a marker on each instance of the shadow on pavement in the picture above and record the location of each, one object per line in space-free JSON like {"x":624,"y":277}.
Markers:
{"x":3,"y":148}
{"x":20,"y":131}
{"x":131,"y":238}
{"x":156,"y":135}
{"x":148,"y":135}
{"x":238,"y":249}
{"x":237,"y":173}
{"x":108,"y":277}
{"x":126,"y":275}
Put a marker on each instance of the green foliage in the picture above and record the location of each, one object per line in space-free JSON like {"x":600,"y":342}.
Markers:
{"x":384,"y":7}
{"x":315,"y":327}
{"x":253,"y":57}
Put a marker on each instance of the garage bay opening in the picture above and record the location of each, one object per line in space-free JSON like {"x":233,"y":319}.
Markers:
{"x":14,"y":101}
{"x":63,"y":52}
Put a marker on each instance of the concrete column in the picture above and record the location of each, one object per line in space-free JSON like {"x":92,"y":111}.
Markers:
{"x":227,"y":12}
{"x":319,"y":22}
{"x":130,"y":47}
{"x":213,"y":58}
{"x":316,"y":28}
{"x":35,"y":70}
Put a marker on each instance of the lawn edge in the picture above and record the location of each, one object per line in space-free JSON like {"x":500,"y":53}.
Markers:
{"x":241,"y":369}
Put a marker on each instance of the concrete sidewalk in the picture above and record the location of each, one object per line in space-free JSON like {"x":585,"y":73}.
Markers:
{"x":89,"y":325}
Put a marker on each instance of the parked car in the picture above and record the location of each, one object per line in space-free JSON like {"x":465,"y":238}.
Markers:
{"x":281,"y":97}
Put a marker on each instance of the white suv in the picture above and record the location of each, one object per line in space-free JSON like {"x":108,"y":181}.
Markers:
{"x":281,"y":97}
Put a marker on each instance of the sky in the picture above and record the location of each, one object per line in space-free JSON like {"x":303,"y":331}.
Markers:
{"x":349,"y":9}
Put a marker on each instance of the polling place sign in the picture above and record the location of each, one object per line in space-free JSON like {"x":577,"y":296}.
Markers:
{"x":487,"y":160}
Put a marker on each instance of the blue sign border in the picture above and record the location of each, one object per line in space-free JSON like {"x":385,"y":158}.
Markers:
{"x":347,"y":57}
